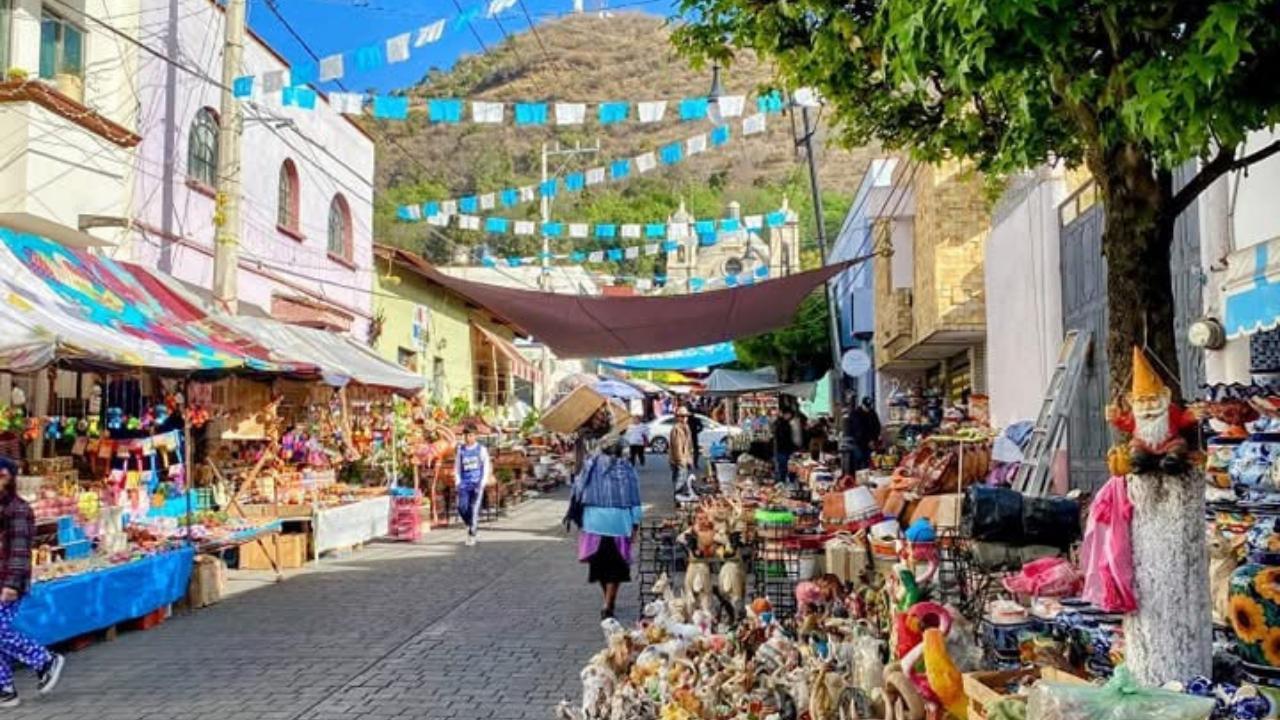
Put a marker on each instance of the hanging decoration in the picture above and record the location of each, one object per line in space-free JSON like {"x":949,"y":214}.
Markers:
{"x":292,"y":87}
{"x":652,"y":231}
{"x":440,"y":213}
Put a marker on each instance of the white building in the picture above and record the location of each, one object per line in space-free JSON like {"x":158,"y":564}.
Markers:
{"x":1024,"y":294}
{"x":306,"y":245}
{"x":68,"y":116}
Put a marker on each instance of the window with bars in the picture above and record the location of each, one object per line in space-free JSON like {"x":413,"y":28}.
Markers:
{"x":287,"y":209}
{"x":202,"y":148}
{"x":340,"y":228}
{"x":61,"y":45}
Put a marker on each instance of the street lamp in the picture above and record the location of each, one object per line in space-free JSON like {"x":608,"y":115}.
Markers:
{"x":716,"y":88}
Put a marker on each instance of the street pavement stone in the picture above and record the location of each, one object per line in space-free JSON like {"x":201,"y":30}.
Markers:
{"x":390,"y":632}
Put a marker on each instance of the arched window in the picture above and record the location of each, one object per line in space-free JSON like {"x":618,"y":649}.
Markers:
{"x":287,"y":203}
{"x":340,"y":228}
{"x":202,"y":148}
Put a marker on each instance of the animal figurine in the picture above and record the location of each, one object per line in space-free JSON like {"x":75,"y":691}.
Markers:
{"x":733,"y":585}
{"x":698,"y":585}
{"x":944,"y":677}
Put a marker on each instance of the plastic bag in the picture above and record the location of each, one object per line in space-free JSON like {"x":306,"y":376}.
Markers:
{"x":1050,"y":521}
{"x":993,"y":514}
{"x":1120,"y":699}
{"x":1107,"y":553}
{"x":1046,"y":577}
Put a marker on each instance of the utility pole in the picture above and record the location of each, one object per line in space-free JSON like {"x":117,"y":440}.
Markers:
{"x":833,"y":319}
{"x":544,"y":277}
{"x":227,"y":213}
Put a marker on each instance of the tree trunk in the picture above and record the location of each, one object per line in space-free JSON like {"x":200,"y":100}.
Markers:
{"x":1137,"y":244}
{"x":1169,"y":637}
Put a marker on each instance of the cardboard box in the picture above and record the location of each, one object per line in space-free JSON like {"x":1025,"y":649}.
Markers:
{"x":257,"y":555}
{"x":986,"y":687}
{"x":573,"y":410}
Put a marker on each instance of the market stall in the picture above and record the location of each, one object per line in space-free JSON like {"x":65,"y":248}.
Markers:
{"x":116,"y":402}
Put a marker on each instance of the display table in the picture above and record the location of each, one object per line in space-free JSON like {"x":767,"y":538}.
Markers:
{"x":351,"y":524}
{"x":65,"y":608}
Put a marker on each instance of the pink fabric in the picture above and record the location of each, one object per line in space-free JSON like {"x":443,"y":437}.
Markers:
{"x":1107,"y":553}
{"x":589,"y":543}
{"x":1046,"y":577}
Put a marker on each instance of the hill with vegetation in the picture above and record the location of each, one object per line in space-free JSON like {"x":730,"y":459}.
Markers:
{"x":588,"y":58}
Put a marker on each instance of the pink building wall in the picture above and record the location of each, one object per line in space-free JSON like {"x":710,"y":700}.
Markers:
{"x":173,"y":217}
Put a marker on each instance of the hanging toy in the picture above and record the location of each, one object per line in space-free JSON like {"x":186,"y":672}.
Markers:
{"x":161,"y":414}
{"x":148,"y":419}
{"x":4,"y":418}
{"x":52,"y":427}
{"x":33,"y":429}
{"x":115,"y":418}
{"x":133,"y":423}
{"x":69,"y":428}
{"x":94,"y":428}
{"x":82,"y":426}
{"x":197,"y":416}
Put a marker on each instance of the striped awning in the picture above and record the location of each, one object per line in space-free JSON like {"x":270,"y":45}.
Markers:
{"x":520,"y":365}
{"x":1252,"y":290}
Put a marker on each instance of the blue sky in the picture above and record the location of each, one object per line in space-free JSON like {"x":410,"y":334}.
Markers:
{"x":333,"y":26}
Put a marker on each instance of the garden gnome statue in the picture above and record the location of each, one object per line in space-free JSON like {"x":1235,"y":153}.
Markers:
{"x":1157,"y":426}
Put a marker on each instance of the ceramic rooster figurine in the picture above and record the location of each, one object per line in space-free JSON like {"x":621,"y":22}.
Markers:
{"x":944,"y":677}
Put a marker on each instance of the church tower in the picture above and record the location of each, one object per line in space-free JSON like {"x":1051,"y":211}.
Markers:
{"x":681,"y":264}
{"x":784,"y":244}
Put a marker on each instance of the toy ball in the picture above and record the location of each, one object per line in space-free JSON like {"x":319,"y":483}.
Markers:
{"x":761,"y":605}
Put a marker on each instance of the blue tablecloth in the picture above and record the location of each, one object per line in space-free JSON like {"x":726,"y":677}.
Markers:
{"x":62,"y":609}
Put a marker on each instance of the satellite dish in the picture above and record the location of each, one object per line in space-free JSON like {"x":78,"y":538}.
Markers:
{"x":855,"y":362}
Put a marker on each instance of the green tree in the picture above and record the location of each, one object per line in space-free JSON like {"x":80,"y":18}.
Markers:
{"x":1131,"y":89}
{"x":800,"y":351}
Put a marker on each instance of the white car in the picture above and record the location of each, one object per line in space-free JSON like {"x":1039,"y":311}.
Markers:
{"x":712,"y":432}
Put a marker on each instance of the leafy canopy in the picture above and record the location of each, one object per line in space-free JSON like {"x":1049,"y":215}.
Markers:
{"x":1010,"y":84}
{"x":800,"y":351}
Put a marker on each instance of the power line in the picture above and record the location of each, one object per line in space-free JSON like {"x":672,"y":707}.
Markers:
{"x":150,"y":51}
{"x":472,"y":27}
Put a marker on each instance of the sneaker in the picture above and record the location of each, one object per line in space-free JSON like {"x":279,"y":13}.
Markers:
{"x":471,"y":540}
{"x":9,"y":697}
{"x":48,"y":677}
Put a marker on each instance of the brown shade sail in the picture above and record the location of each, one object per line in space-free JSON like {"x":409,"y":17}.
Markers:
{"x":590,"y":326}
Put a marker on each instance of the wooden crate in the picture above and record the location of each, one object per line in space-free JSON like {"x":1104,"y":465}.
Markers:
{"x":986,"y":687}
{"x":257,"y":556}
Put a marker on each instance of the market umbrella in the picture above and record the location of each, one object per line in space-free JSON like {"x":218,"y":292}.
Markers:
{"x":618,"y":389}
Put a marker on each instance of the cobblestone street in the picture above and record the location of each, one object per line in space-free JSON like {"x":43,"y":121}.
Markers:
{"x":435,"y":630}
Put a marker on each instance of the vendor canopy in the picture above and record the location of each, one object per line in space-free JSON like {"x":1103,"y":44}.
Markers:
{"x":1253,"y":290}
{"x":764,"y":380}
{"x":67,"y":305}
{"x":341,"y":359}
{"x":592,"y":326}
{"x":684,"y":359}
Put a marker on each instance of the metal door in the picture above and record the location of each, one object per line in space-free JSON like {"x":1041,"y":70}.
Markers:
{"x":1084,"y":307}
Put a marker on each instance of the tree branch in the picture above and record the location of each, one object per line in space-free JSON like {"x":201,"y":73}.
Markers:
{"x":1223,"y":163}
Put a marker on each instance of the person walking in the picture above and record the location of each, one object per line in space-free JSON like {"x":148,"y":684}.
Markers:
{"x":609,"y":491}
{"x":637,"y":439}
{"x":680,"y":452}
{"x":15,"y":580}
{"x":472,"y":470}
{"x":785,"y":443}
{"x":695,"y":428}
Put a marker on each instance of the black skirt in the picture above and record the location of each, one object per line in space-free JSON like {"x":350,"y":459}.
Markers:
{"x":607,"y":565}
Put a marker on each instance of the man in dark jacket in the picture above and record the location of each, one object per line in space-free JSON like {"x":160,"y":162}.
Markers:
{"x":785,"y":443}
{"x":17,"y":523}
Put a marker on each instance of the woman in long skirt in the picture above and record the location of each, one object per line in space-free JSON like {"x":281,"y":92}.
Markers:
{"x":610,"y":492}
